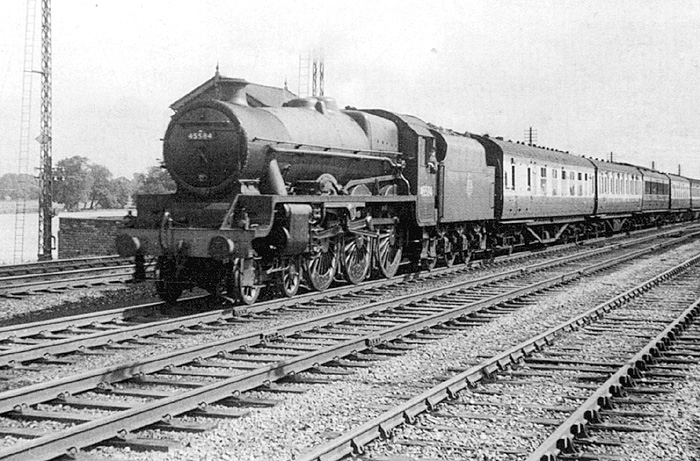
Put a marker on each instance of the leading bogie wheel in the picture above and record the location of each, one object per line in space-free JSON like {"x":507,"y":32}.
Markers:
{"x":321,"y":265}
{"x":168,"y":286}
{"x":246,"y":294}
{"x":290,"y":278}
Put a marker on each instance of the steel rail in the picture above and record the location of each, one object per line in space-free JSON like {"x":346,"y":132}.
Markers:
{"x":69,"y":440}
{"x":62,"y":346}
{"x":59,"y":264}
{"x":29,"y":329}
{"x":383,"y":425}
{"x":562,"y":439}
{"x":49,"y":273}
{"x":18,"y":284}
{"x":23,"y":330}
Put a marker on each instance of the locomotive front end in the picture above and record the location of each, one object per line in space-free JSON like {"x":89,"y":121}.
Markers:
{"x":205,"y":148}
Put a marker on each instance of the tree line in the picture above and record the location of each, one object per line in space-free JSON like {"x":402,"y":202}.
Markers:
{"x":80,"y":184}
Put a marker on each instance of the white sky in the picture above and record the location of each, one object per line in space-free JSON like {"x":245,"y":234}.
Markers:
{"x":590,"y":76}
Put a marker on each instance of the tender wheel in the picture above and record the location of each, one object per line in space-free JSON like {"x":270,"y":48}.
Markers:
{"x":389,"y":253}
{"x":466,"y":256}
{"x":290,"y":278}
{"x":445,"y":253}
{"x":322,"y":265}
{"x":428,"y":264}
{"x":357,"y":258}
{"x":247,"y":294}
{"x":449,"y":258}
{"x":167,"y":286}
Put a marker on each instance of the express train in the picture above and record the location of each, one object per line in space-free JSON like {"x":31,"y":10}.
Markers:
{"x":307,"y":193}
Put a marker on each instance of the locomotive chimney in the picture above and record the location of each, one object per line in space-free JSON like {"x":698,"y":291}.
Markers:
{"x":232,"y":90}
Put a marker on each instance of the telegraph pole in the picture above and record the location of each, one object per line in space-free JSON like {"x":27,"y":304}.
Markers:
{"x":530,"y":136}
{"x":318,"y":77}
{"x":311,"y":67}
{"x":45,"y":168}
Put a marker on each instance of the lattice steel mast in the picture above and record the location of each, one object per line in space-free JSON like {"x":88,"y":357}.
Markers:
{"x":46,"y":168}
{"x":318,"y":77}
{"x":311,"y":67}
{"x":25,"y":129}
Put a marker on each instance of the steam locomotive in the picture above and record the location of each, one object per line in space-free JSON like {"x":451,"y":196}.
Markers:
{"x":307,"y":193}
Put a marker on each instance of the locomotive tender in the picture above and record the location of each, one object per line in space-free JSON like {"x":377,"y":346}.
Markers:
{"x":307,"y":193}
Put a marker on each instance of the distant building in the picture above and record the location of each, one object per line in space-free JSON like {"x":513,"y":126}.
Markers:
{"x":257,"y":95}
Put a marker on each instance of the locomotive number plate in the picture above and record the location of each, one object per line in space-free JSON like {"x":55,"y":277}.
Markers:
{"x":200,"y":135}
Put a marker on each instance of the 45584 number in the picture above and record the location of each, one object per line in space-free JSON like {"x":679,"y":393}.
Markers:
{"x":200,"y":135}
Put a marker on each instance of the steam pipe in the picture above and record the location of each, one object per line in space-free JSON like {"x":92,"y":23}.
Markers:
{"x":275,"y":179}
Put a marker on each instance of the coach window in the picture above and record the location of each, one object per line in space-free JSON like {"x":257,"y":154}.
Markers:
{"x":512,"y":177}
{"x":572,"y":184}
{"x":529,"y":179}
{"x":579,"y":186}
{"x":543,"y":180}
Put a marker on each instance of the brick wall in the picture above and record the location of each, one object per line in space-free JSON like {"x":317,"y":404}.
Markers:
{"x":87,"y":237}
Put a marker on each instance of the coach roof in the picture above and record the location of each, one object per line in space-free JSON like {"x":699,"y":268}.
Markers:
{"x":543,"y":156}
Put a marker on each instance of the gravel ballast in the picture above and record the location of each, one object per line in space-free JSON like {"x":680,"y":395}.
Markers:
{"x":304,"y":421}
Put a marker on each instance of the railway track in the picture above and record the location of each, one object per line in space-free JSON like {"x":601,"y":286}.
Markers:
{"x":56,"y":265}
{"x":49,"y":342}
{"x":209,"y":378}
{"x":59,"y":275}
{"x":571,"y":392}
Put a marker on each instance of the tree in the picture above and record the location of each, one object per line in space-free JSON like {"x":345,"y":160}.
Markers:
{"x":75,"y":184}
{"x":100,"y":192}
{"x":155,"y":181}
{"x":119,"y":192}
